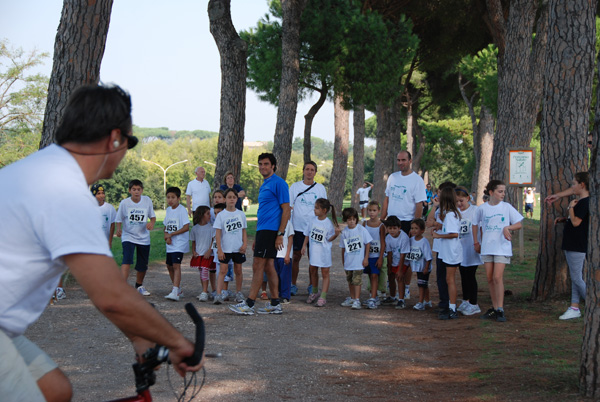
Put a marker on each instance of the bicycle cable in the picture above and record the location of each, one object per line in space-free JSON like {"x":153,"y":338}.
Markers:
{"x":191,"y":384}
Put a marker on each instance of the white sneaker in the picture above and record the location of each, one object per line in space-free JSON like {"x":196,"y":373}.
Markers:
{"x":463,"y":305}
{"x":356,"y":305}
{"x":348,"y":302}
{"x":218,"y":300}
{"x":570,"y":314}
{"x":406,"y":293}
{"x":180,"y":294}
{"x":173,"y":295}
{"x":60,"y":294}
{"x":142,"y":290}
{"x":471,"y":309}
{"x":203,"y":297}
{"x":428,"y":304}
{"x":239,"y":297}
{"x":419,"y":306}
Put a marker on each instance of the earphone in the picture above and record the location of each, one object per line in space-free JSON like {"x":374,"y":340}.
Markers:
{"x":116,"y":144}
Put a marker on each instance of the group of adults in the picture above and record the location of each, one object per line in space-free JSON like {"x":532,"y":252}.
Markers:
{"x":198,"y":191}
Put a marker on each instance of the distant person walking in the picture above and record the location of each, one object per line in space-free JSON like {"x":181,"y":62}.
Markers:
{"x":529,"y":201}
{"x":198,"y":191}
{"x":362,"y":196}
{"x":230,"y":183}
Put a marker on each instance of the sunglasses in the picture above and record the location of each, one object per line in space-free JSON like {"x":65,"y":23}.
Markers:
{"x":131,"y":141}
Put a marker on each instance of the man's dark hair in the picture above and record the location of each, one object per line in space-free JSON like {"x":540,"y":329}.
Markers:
{"x":270,"y":157}
{"x":92,"y":112}
{"x":136,"y":182}
{"x":310,"y":163}
{"x":174,"y":190}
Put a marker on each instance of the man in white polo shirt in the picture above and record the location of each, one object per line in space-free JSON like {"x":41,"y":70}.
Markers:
{"x":198,"y":191}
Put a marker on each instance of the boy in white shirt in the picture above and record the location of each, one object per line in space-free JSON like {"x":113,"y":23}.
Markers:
{"x":137,"y":218}
{"x":177,"y":237}
{"x":283,"y":264}
{"x":397,"y":245}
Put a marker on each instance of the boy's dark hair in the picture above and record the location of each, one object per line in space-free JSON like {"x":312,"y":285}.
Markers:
{"x":92,"y":112}
{"x":392,"y":221}
{"x":270,"y":157}
{"x":310,"y":163}
{"x":230,"y":190}
{"x":583,"y":177}
{"x":373,"y":203}
{"x":199,"y":213}
{"x":348,"y":213}
{"x":174,"y":190}
{"x":447,"y":184}
{"x":419,"y":222}
{"x":220,"y":206}
{"x":136,"y":182}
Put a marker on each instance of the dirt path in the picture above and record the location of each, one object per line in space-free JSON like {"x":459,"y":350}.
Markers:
{"x":307,"y":353}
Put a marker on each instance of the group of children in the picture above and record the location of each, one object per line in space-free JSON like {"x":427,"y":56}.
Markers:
{"x":465,"y":236}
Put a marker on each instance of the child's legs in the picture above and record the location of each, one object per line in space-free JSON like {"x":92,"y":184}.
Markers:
{"x":171,"y":273}
{"x":400,"y":280}
{"x":204,"y":278}
{"x":440,"y":273}
{"x":356,"y":284}
{"x":221,"y":278}
{"x":469,"y":282}
{"x":176,"y":275}
{"x":141,"y":265}
{"x":237,"y":269}
{"x":392,"y":282}
{"x":489,"y":273}
{"x":325,"y":285}
{"x":374,"y":285}
{"x":464,"y":283}
{"x":575,"y":261}
{"x":383,"y":273}
{"x":212,"y":278}
{"x":284,"y":273}
{"x":407,"y":275}
{"x":314,"y":278}
{"x":451,"y":281}
{"x":498,"y":275}
{"x":423,"y":283}
{"x":128,"y":250}
{"x":125,"y":269}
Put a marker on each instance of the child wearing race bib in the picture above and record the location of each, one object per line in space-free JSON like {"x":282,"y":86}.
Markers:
{"x":496,"y":219}
{"x":177,"y":237}
{"x":419,"y":259}
{"x":321,"y":232}
{"x":231,"y":239}
{"x":397,"y":245}
{"x":470,"y":260}
{"x":217,"y":209}
{"x":376,"y":250}
{"x":219,"y":198}
{"x":450,"y":248}
{"x":202,"y":235}
{"x":135,"y":219}
{"x":354,"y":242}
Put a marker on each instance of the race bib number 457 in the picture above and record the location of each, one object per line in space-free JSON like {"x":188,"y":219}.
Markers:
{"x":136,"y":216}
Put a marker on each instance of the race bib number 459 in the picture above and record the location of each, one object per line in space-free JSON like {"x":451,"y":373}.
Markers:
{"x":353,"y":245}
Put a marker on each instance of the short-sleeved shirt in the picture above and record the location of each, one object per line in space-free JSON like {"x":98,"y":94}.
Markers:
{"x":232,"y":225}
{"x":354,"y":242}
{"x":492,"y":219}
{"x":397,"y":246}
{"x":108,"y":215}
{"x":272,"y":194}
{"x":289,"y":231}
{"x":202,"y":235}
{"x":319,"y":231}
{"x":470,"y":257}
{"x":134,"y":216}
{"x":403,"y":193}
{"x":303,"y":202}
{"x":450,"y":249}
{"x":363,"y":194}
{"x":238,"y":188}
{"x":200,"y":193}
{"x":176,"y":219}
{"x":376,"y":242}
{"x":420,"y":252}
{"x":576,"y":238}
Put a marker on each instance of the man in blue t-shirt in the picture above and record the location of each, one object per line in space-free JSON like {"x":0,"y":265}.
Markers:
{"x":272,"y":217}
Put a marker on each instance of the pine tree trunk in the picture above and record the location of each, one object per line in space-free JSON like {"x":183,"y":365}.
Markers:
{"x":387,"y":147}
{"x":485,"y":147}
{"x":565,"y":118}
{"x":288,"y":92}
{"x":358,"y":171}
{"x":520,"y":78}
{"x":232,"y":50}
{"x":337,"y":182}
{"x":308,"y":120}
{"x":78,"y":50}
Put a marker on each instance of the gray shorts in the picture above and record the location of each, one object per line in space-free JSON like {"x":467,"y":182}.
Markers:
{"x":21,"y":366}
{"x":500,"y":259}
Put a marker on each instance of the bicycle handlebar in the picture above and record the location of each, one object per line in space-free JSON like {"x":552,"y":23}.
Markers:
{"x":194,"y":359}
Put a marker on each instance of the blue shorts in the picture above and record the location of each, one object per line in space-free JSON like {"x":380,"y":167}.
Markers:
{"x":174,"y":258}
{"x":143,"y":253}
{"x":529,"y":207}
{"x":372,"y":267}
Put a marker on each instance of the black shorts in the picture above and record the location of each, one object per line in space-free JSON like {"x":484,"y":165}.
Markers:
{"x":405,"y":226}
{"x":238,"y":258}
{"x":363,"y":204}
{"x":264,"y":245}
{"x":529,"y":207}
{"x":174,"y":258}
{"x":299,"y":241}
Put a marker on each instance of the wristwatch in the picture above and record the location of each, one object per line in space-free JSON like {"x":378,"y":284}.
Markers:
{"x":280,"y":233}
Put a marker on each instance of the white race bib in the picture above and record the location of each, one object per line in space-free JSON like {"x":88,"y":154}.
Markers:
{"x":317,"y":235}
{"x":415,"y":254}
{"x":353,"y":245}
{"x":137,"y":216}
{"x":374,"y":247}
{"x":233,"y":225}
{"x":171,"y":225}
{"x":465,"y":228}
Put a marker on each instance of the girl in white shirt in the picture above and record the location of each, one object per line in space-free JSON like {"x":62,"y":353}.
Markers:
{"x":496,"y":219}
{"x":450,"y":248}
{"x":202,"y":235}
{"x":321,"y":232}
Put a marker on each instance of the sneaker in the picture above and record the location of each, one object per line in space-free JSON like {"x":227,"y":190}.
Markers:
{"x":463,"y":306}
{"x":407,"y":293}
{"x":142,"y":290}
{"x":269,"y":309}
{"x":400,"y":305}
{"x":378,"y":301}
{"x":242,"y":308}
{"x":471,"y":309}
{"x":356,"y":305}
{"x":311,"y":298}
{"x":388,"y":300}
{"x":568,"y":315}
{"x":211,"y":295}
{"x":309,"y":289}
{"x":371,"y":304}
{"x":419,"y":306}
{"x":173,"y":295}
{"x":230,"y":295}
{"x":381,"y":294}
{"x":321,"y":302}
{"x":294,"y":290}
{"x":448,"y":314}
{"x":428,"y":304}
{"x":224,"y":296}
{"x":239,"y":297}
{"x":285,"y":301}
{"x":228,"y":278}
{"x":348,"y":302}
{"x":180,"y":294}
{"x":218,"y":299}
{"x":60,"y":294}
{"x":203,"y":297}
{"x":500,"y":317}
{"x":489,"y":315}
{"x":263,"y":295}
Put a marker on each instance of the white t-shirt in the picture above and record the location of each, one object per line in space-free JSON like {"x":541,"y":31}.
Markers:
{"x":304,"y":205}
{"x":134,"y":217}
{"x":319,"y":232}
{"x":436,"y":242}
{"x":492,"y":220}
{"x":289,"y":231}
{"x":376,"y":243}
{"x":200,"y":193}
{"x":354,"y":242}
{"x":403,"y":193}
{"x":397,"y":246}
{"x":470,"y":257}
{"x":231,"y":225}
{"x":63,"y":220}
{"x":450,"y":249}
{"x":107,"y":217}
{"x":420,"y":252}
{"x":175,"y":220}
{"x":203,"y":236}
{"x":529,"y":198}
{"x":363,"y":194}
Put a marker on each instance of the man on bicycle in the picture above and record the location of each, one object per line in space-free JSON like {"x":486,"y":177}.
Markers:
{"x":51,"y":222}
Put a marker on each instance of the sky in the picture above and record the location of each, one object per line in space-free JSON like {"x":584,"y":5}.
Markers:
{"x":164,"y":55}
